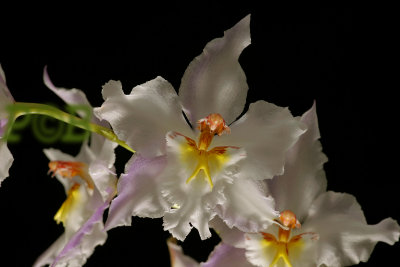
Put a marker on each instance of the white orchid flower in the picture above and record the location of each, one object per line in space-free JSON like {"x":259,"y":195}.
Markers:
{"x":190,"y":170}
{"x":90,"y":184}
{"x":319,"y":227}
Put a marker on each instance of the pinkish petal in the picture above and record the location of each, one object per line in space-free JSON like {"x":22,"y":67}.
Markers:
{"x":214,"y":82}
{"x":178,"y":258}
{"x":70,"y":96}
{"x":5,"y":95}
{"x":138,"y":193}
{"x":82,"y":244}
{"x":226,"y":255}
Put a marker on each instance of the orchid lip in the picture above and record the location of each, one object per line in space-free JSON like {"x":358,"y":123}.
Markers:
{"x":210,"y":126}
{"x":285,"y":240}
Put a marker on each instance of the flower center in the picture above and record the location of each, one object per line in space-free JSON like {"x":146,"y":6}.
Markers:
{"x":284,"y":243}
{"x":209,"y":126}
{"x":70,"y":169}
{"x":198,"y":158}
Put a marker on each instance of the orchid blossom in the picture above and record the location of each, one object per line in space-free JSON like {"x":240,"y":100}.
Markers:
{"x":317,"y":227}
{"x":196,"y":157}
{"x":5,"y":100}
{"x":90,"y":184}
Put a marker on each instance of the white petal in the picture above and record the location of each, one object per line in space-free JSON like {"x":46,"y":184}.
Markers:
{"x":266,"y":132}
{"x":214,"y":82}
{"x":82,"y":243}
{"x":304,"y":178}
{"x":143,"y":118}
{"x":70,"y":96}
{"x":102,"y":177}
{"x":194,"y":211}
{"x":138,"y":192}
{"x":112,"y":89}
{"x":196,"y":198}
{"x":48,"y":256}
{"x":246,"y":207}
{"x":345,"y":237}
{"x":74,"y":247}
{"x":226,"y":255}
{"x":231,"y":236}
{"x":178,"y":259}
{"x":100,"y":158}
{"x":5,"y":95}
{"x":6,"y":160}
{"x":79,"y":213}
{"x":79,"y":103}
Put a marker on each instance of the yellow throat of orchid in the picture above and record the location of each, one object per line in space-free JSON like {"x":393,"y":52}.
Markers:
{"x":284,"y":243}
{"x":69,"y":169}
{"x":68,"y":205}
{"x":210,"y":126}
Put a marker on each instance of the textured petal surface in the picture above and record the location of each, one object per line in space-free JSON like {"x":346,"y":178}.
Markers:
{"x":76,"y":218}
{"x":143,"y":118}
{"x":246,"y":206}
{"x":138,"y":192}
{"x":345,"y":237}
{"x":195,"y":198}
{"x":214,"y":82}
{"x":82,"y":244}
{"x":266,"y":132}
{"x":76,"y":245}
{"x":304,"y":178}
{"x":231,"y":236}
{"x":100,"y":157}
{"x":226,"y":255}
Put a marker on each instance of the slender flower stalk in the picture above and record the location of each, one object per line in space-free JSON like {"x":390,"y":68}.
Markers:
{"x":18,"y":109}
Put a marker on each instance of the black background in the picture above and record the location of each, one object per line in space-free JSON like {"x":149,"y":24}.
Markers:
{"x":333,"y":56}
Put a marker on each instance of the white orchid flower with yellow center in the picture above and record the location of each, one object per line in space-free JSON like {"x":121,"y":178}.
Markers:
{"x":90,"y":184}
{"x":190,"y":170}
{"x":318,"y":227}
{"x":6,"y":158}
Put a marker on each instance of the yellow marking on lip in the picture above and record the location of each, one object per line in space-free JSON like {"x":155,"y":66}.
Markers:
{"x":68,"y":205}
{"x":284,"y":244}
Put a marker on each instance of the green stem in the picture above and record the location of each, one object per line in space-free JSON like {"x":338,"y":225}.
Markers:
{"x":19,"y":109}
